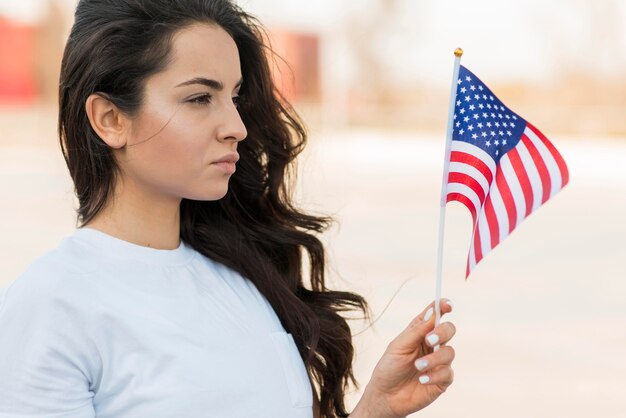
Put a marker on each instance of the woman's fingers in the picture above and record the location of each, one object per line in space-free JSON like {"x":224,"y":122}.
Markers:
{"x":429,"y":362}
{"x":441,"y":335}
{"x":442,"y":375}
{"x":445,"y":306}
{"x":413,"y":335}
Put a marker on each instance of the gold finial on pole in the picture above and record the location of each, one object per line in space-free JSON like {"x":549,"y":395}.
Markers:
{"x":458,"y":52}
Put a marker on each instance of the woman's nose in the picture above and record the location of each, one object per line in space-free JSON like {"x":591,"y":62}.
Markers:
{"x":233,"y":127}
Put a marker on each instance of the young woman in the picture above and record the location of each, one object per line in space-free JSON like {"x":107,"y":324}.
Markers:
{"x":182,"y":293}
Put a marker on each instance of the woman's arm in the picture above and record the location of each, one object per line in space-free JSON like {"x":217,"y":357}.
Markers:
{"x":397,"y":387}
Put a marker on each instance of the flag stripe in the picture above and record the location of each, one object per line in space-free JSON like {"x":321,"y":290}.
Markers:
{"x":507,"y":200}
{"x":524,"y":182}
{"x":510,"y":178}
{"x":470,"y":182}
{"x":500,"y":213}
{"x":464,"y":200}
{"x":555,"y":154}
{"x":472,"y":171}
{"x":492,"y":222}
{"x":542,"y":170}
{"x":462,"y":157}
{"x":534,"y":180}
{"x":553,"y":169}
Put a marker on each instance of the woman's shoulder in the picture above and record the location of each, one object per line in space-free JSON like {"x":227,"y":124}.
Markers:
{"x":56,"y":272}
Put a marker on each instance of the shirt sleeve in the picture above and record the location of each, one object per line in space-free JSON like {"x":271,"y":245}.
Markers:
{"x":46,"y":361}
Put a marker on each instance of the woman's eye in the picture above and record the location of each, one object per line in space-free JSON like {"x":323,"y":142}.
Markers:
{"x":237,"y":101}
{"x":205,"y":99}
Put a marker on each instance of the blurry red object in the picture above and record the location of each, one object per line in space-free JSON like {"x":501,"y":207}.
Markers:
{"x":17,"y":75}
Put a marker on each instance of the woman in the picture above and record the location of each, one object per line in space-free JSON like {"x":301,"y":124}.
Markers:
{"x":181,"y":294}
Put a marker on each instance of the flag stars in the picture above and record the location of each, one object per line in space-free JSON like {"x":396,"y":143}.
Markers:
{"x":458,"y":103}
{"x":484,"y":134}
{"x":492,"y":133}
{"x":487,"y":144}
{"x":497,"y":152}
{"x":491,"y":98}
{"x":462,"y":111}
{"x":468,"y":78}
{"x":472,"y":88}
{"x":463,"y":90}
{"x":458,"y":124}
{"x":501,"y":133}
{"x":467,"y":98}
{"x":480,"y":88}
{"x":485,"y":115}
{"x":484,"y":97}
{"x":480,"y":125}
{"x":472,"y":107}
{"x":496,"y":142}
{"x":488,"y":124}
{"x":471,"y":127}
{"x":458,"y":81}
{"x":474,"y":136}
{"x":509,"y":133}
{"x":481,"y":106}
{"x":475,"y":116}
{"x":466,"y":119}
{"x":504,"y":142}
{"x":477,"y":96}
{"x":461,"y":132}
{"x":497,"y":124}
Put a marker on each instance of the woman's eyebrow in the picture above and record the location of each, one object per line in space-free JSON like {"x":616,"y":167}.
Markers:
{"x":214,"y":84}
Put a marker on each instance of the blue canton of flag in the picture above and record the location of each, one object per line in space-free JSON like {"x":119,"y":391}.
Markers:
{"x":482,"y":119}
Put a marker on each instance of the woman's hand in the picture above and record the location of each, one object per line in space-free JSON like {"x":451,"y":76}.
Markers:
{"x":410,"y":375}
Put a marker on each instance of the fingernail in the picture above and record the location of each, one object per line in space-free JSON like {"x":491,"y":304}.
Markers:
{"x":424,"y":379}
{"x":450,"y":303}
{"x":429,"y":313}
{"x":432,"y":339}
{"x":421,"y":364}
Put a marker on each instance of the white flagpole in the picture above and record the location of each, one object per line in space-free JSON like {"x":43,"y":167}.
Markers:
{"x":444,"y":181}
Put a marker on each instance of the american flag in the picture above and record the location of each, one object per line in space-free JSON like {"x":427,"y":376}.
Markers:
{"x":501,"y":167}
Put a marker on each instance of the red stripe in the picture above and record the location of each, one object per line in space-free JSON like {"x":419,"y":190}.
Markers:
{"x":465,"y":158}
{"x":544,"y":174}
{"x":464,"y":200}
{"x":555,"y":154}
{"x":492,"y":221}
{"x":522,"y":177}
{"x":470,"y":182}
{"x":467,"y":269}
{"x":507,"y":198}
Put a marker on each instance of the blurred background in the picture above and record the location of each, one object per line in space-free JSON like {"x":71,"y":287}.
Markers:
{"x":542,"y":320}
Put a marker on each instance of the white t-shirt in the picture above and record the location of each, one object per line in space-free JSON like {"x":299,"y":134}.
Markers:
{"x":101,"y":327}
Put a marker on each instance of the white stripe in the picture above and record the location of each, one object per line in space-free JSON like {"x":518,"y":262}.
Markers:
{"x":532,"y":172}
{"x":471,"y":171}
{"x":466,"y":191}
{"x":546,"y":155}
{"x":468,"y":148}
{"x":516,"y":190}
{"x":500,"y":210}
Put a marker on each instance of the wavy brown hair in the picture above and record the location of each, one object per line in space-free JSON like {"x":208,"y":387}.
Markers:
{"x":255,"y":229}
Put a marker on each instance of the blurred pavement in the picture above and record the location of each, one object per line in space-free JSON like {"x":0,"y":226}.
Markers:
{"x":541,"y":321}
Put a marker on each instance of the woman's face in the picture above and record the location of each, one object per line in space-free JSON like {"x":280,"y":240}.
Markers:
{"x":188,"y":120}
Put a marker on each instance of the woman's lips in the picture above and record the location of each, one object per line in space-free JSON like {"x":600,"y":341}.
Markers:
{"x":227,"y":167}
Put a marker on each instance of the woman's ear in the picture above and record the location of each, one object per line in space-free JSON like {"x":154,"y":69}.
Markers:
{"x":109,"y":123}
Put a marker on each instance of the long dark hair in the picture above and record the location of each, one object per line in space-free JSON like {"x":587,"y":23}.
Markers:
{"x":255,"y":228}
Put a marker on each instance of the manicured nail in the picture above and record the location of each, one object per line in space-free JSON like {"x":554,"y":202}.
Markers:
{"x":432,"y":339}
{"x":429,"y":313}
{"x":424,"y":379}
{"x":421,"y":364}
{"x":450,"y":303}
